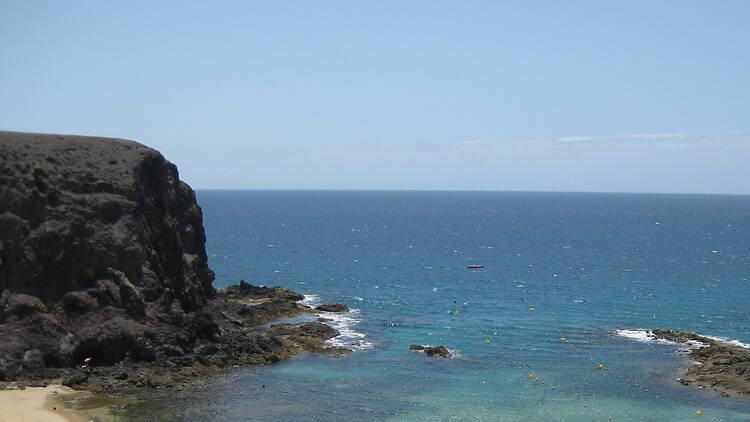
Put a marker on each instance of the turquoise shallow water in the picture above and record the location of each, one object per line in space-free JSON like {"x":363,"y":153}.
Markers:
{"x":589,"y":265}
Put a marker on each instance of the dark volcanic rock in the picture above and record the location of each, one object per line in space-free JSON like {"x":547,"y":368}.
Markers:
{"x":75,"y":210}
{"x":721,"y":366}
{"x":337,"y":307}
{"x":103,"y":273}
{"x":78,"y":302}
{"x":434,"y":351}
{"x":114,"y":341}
{"x":19,"y":305}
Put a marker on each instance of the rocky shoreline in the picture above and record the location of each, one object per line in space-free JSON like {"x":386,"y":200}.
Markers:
{"x":232,"y":334}
{"x":104,"y":282}
{"x":717,"y":365}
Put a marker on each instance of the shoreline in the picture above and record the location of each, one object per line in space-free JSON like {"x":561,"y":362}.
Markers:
{"x":41,"y":404}
{"x":718,"y":365}
{"x":245,"y":315}
{"x":233,"y":333}
{"x":711,"y":363}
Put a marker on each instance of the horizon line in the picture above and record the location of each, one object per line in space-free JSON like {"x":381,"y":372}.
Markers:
{"x":466,"y":190}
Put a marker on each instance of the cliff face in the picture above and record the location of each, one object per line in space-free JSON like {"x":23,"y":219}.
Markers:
{"x":81,"y":214}
{"x":101,"y":249}
{"x":103,"y":273}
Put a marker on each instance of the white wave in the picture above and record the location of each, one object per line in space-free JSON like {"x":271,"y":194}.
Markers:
{"x":729,"y":342}
{"x":344,"y":323}
{"x":643,"y":336}
{"x":638,"y":335}
{"x":694,"y":344}
{"x":646,"y":336}
{"x":311,"y":300}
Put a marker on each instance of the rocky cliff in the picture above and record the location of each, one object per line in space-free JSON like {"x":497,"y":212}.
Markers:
{"x":103,"y":266}
{"x":80,"y":213}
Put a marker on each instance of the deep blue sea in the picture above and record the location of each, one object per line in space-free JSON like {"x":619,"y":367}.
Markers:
{"x":581,"y":267}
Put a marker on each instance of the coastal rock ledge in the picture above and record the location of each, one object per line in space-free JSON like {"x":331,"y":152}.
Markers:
{"x":718,"y":365}
{"x":104,"y":279}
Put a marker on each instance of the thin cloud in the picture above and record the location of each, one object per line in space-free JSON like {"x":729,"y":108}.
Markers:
{"x":668,"y":135}
{"x":472,"y":142}
{"x":575,"y":139}
{"x":671,"y":140}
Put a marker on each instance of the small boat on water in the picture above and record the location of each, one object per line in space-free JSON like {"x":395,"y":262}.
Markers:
{"x":475,"y":266}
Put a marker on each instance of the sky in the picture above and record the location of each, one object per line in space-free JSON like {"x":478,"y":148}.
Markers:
{"x":629,"y":96}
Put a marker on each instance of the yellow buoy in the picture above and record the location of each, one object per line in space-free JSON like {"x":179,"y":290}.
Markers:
{"x":532,"y":309}
{"x":601,"y":366}
{"x":456,"y":311}
{"x":698,"y":413}
{"x":487,"y":341}
{"x":562,"y":338}
{"x":531,"y":376}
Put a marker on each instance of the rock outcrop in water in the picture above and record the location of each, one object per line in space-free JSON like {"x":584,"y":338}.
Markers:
{"x":336,"y":308}
{"x":104,"y":277}
{"x":433,"y":351}
{"x":720,"y":366}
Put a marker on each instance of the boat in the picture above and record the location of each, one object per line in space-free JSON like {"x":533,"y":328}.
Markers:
{"x":475,"y":266}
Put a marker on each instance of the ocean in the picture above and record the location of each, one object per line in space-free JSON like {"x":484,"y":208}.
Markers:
{"x":569,"y":283}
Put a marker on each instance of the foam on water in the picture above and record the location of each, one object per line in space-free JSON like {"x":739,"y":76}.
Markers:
{"x":311,"y":300}
{"x":729,"y":342}
{"x":344,"y":323}
{"x":646,"y":336}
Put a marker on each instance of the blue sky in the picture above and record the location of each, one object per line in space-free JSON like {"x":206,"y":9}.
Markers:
{"x":553,"y":96}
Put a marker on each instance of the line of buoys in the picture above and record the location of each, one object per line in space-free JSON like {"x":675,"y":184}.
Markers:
{"x":573,"y":396}
{"x":563,"y":339}
{"x":607,"y":370}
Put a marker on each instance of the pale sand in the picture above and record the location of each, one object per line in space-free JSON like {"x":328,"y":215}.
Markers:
{"x":37,"y":404}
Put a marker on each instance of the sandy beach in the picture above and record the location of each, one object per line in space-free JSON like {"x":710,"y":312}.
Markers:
{"x":37,"y":404}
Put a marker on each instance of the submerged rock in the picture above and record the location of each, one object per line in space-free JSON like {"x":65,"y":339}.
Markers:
{"x":718,"y":365}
